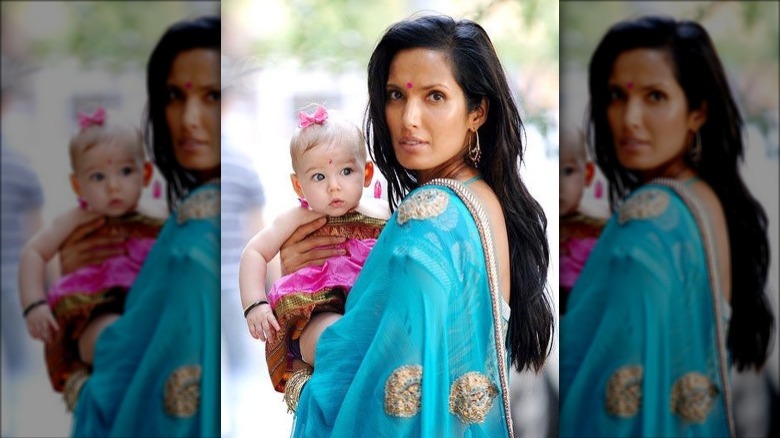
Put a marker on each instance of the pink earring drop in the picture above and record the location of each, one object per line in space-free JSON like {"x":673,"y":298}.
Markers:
{"x":156,"y":189}
{"x":377,"y":189}
{"x":83,"y":203}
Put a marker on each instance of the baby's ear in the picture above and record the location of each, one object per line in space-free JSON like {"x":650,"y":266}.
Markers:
{"x":148,"y":171}
{"x":590,"y":172}
{"x":297,"y":185}
{"x":74,"y":184}
{"x":369,"y":174}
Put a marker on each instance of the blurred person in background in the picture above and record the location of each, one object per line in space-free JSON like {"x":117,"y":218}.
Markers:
{"x":22,"y":200}
{"x":243,"y":199}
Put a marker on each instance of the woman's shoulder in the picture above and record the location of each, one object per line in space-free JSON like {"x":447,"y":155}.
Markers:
{"x":652,"y":203}
{"x":203,"y":203}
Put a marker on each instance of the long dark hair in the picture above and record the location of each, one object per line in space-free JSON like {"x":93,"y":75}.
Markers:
{"x":700,"y":74}
{"x":203,"y":32}
{"x":478,"y":72}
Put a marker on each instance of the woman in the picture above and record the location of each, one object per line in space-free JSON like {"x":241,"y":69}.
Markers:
{"x":156,"y":370}
{"x":674,"y":290}
{"x":427,"y":338}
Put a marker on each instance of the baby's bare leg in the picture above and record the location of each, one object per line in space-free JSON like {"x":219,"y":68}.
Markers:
{"x":311,"y":333}
{"x":91,"y":333}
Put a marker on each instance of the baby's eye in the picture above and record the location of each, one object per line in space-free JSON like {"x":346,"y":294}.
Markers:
{"x":568,"y":171}
{"x":127,"y":171}
{"x":347,"y":171}
{"x":318,"y":177}
{"x":97,"y":177}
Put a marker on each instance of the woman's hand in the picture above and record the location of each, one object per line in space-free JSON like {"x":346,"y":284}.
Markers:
{"x":300,"y":251}
{"x":261,"y":320}
{"x":81,"y":249}
{"x":41,"y":322}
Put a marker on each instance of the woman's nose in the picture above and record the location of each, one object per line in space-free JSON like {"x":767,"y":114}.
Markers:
{"x":191,"y":113}
{"x":411,"y":114}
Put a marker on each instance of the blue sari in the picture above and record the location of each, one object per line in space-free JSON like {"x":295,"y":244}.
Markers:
{"x":420,"y":349}
{"x":643,"y":339}
{"x":156,"y":369}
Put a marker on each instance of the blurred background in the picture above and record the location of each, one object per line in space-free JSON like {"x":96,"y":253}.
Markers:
{"x":59,"y":58}
{"x":745,"y":35}
{"x":281,"y":55}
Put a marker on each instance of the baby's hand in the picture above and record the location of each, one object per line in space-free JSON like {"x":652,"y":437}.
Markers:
{"x":41,"y":323}
{"x":261,"y":321}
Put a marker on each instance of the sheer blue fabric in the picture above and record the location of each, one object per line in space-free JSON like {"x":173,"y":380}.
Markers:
{"x":415,"y":353}
{"x":156,"y":370}
{"x":642,"y":349}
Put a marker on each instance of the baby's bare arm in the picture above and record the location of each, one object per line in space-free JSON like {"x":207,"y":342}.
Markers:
{"x":32,"y":270}
{"x":254,"y":262}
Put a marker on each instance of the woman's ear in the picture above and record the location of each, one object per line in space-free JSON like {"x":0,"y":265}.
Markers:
{"x":479,"y":115}
{"x":74,"y":184}
{"x":697,"y":117}
{"x":296,"y":185}
{"x":369,"y":174}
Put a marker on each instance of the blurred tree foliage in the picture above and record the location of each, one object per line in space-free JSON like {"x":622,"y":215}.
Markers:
{"x":115,"y":35}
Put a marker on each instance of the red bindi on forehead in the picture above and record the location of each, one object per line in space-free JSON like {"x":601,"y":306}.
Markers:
{"x":330,"y":161}
{"x":188,"y":85}
{"x":409,"y":85}
{"x":630,"y":85}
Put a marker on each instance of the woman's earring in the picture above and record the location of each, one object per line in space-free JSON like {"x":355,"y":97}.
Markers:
{"x":695,"y":151}
{"x":475,"y":151}
{"x":83,"y":203}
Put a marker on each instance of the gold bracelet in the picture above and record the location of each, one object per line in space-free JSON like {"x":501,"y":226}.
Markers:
{"x":293,"y":387}
{"x":73,"y":385}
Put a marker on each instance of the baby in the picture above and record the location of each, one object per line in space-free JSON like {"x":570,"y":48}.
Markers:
{"x":330,"y":171}
{"x":579,"y":232}
{"x":109,"y":172}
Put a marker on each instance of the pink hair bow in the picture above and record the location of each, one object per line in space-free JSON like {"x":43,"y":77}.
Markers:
{"x":319,"y":117}
{"x":96,"y":118}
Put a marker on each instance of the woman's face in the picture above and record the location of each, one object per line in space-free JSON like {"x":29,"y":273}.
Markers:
{"x":426,"y":113}
{"x":648,"y":114}
{"x":193,"y":110}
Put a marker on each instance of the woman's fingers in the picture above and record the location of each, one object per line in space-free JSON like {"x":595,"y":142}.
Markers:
{"x":304,"y":230}
{"x":83,"y":230}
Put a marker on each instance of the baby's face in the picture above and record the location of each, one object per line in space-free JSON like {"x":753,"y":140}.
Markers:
{"x":571,"y":180}
{"x":331,"y":178}
{"x":110,"y":177}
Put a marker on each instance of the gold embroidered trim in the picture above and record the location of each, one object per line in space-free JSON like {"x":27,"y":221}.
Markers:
{"x":423,"y":204}
{"x":693,"y":395}
{"x":624,"y":391}
{"x":403,"y":391}
{"x":182,"y":391}
{"x":471,"y":397}
{"x":72,"y":389}
{"x":646,"y":204}
{"x":205,"y":203}
{"x":488,"y":245}
{"x":708,"y":239}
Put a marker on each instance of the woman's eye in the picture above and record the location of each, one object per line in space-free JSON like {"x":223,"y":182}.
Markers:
{"x":174,"y":94}
{"x":394,"y":95}
{"x":656,"y":96}
{"x":318,"y":177}
{"x":437,"y":96}
{"x":615,"y":94}
{"x":215,"y":96}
